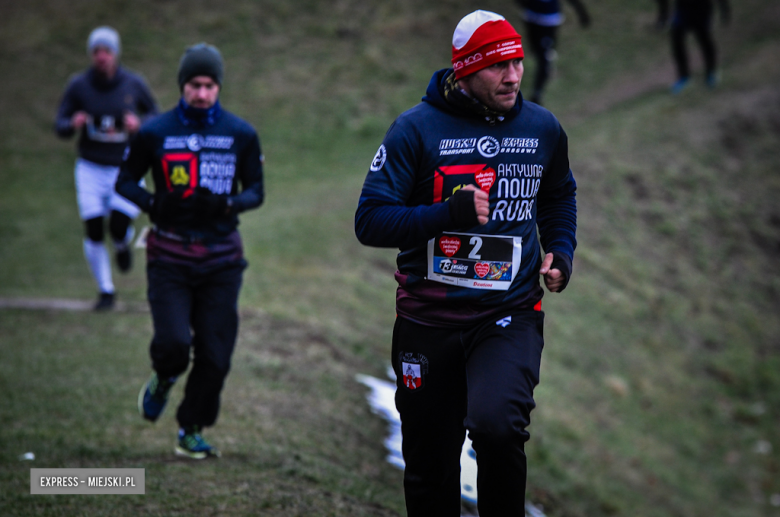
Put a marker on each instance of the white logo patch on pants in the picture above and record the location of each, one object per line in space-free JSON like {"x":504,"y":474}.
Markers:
{"x":504,"y":322}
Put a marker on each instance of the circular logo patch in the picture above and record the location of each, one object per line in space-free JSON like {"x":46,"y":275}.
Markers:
{"x":488,"y":146}
{"x":379,"y":159}
{"x":194,"y":142}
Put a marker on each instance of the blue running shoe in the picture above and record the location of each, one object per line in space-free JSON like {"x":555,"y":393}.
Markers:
{"x":713,"y":79}
{"x":153,"y":396}
{"x":680,"y":85}
{"x":193,"y":445}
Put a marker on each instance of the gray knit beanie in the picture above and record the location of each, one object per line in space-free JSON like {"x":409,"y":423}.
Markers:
{"x":201,"y":59}
{"x":104,"y":37}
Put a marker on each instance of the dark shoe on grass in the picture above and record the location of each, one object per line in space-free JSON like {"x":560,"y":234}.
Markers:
{"x":124,"y":259}
{"x":105,"y":302}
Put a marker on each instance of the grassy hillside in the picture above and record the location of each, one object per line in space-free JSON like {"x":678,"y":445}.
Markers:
{"x":660,"y":391}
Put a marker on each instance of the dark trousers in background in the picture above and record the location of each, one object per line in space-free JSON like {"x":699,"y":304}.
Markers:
{"x":480,"y":380}
{"x":541,"y":43}
{"x":700,"y":24}
{"x":195,"y":311}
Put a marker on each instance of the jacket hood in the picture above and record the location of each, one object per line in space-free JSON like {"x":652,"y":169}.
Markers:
{"x":434,"y":96}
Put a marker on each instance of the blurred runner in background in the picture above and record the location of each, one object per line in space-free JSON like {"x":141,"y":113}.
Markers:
{"x":106,"y":105}
{"x":694,"y":16}
{"x":542,"y":19}
{"x":207,"y":168}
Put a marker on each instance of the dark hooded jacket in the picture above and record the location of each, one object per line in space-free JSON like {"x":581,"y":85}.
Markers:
{"x":455,"y":276}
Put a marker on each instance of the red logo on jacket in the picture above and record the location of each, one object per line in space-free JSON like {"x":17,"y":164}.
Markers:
{"x":449,"y":178}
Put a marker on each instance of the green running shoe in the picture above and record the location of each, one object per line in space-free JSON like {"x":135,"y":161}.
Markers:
{"x":193,"y":445}
{"x":153,"y":396}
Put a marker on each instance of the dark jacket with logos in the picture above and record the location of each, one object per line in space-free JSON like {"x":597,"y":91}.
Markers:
{"x":191,"y":150}
{"x":103,"y":139}
{"x":466,"y":275}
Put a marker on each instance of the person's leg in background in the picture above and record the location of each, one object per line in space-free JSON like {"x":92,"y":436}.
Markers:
{"x":541,"y":42}
{"x":702,"y":31}
{"x":677,"y":33}
{"x":120,"y":226}
{"x":215,"y":329}
{"x":214,"y":323}
{"x":93,"y":192}
{"x":170,"y":300}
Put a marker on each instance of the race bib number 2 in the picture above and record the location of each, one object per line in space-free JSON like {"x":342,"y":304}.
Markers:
{"x":474,"y":261}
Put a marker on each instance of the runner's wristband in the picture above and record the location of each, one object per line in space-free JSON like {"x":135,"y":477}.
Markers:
{"x":462,"y":210}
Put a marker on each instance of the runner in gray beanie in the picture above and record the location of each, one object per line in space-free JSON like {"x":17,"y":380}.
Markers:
{"x":201,"y":59}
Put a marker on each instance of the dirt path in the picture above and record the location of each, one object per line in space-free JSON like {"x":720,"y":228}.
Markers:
{"x":65,"y":304}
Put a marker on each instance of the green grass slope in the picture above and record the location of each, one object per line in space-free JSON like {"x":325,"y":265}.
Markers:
{"x":660,"y":391}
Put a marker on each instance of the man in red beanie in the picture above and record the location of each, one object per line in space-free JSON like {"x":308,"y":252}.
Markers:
{"x":461,"y":184}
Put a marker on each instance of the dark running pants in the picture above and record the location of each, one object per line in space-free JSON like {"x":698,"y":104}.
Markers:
{"x":194,"y":312}
{"x":700,"y":24}
{"x":480,"y":380}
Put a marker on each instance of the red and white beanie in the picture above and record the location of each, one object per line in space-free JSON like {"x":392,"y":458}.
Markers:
{"x":482,"y":39}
